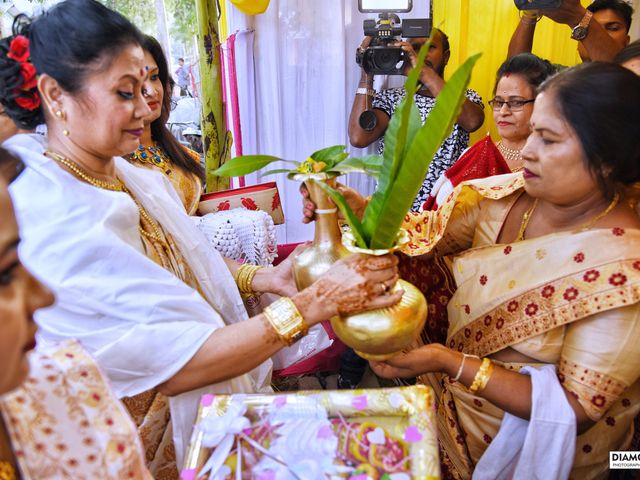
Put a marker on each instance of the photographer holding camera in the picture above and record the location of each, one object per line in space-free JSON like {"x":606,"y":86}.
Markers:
{"x":601,"y":29}
{"x":379,"y":106}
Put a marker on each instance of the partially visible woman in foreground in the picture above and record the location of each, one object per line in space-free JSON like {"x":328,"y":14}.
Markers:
{"x":53,"y":401}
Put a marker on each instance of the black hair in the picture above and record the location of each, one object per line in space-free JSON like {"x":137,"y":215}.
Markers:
{"x":10,"y":166}
{"x":74,"y":39}
{"x":606,"y":123}
{"x":445,"y":40}
{"x":534,"y":69}
{"x":629,"y":52}
{"x":12,"y":85}
{"x":621,"y":7}
{"x":445,"y":48}
{"x":159,"y":131}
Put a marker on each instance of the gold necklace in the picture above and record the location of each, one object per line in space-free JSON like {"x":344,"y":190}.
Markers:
{"x":611,"y":206}
{"x":525,"y":221}
{"x":7,"y":472}
{"x":117,"y":186}
{"x":586,"y":226}
{"x":81,"y":173}
{"x":153,"y":156}
{"x":510,"y":154}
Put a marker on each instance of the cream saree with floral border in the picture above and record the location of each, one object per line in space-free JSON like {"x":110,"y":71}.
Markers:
{"x":568,"y":299}
{"x":66,"y":422}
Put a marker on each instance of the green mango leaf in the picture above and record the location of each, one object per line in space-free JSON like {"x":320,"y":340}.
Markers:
{"x":403,"y":126}
{"x":246,"y":164}
{"x":349,"y":216}
{"x":390,"y":214}
{"x":330,"y":155}
{"x":369,"y":164}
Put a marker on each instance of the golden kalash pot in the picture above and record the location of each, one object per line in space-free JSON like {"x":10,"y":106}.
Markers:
{"x":383,"y":333}
{"x":327,"y":246}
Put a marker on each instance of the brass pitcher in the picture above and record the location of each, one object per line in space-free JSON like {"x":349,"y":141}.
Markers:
{"x":327,"y":246}
{"x":383,"y":333}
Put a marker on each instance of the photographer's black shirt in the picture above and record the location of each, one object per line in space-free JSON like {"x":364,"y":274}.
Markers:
{"x":388,"y":100}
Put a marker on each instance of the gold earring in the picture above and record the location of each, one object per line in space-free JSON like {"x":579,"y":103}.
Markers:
{"x":62,"y":116}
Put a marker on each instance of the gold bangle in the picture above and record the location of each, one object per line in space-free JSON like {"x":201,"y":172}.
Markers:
{"x":526,"y":14}
{"x":482,"y":376}
{"x":244,"y":277}
{"x":284,"y":317}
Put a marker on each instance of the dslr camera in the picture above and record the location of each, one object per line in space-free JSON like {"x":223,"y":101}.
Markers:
{"x":380,"y":58}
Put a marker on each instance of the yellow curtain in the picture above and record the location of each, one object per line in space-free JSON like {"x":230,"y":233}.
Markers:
{"x":486,"y":26}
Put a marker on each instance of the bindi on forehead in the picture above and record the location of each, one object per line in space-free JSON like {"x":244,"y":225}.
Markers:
{"x":143,"y":71}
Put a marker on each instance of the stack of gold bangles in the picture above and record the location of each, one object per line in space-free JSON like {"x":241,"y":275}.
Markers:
{"x":284,"y":317}
{"x":244,"y":277}
{"x":482,"y":376}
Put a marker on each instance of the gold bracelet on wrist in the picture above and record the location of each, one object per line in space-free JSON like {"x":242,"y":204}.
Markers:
{"x":284,"y":317}
{"x":527,"y":18}
{"x":482,"y":376}
{"x":244,"y":277}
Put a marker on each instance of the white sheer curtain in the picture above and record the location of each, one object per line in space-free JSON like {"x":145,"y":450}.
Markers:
{"x":296,"y":83}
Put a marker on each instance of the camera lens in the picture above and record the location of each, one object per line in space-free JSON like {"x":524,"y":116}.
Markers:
{"x":368,"y":120}
{"x":386,"y":58}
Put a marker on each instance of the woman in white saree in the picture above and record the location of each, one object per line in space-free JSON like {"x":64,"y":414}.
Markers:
{"x":134,"y":279}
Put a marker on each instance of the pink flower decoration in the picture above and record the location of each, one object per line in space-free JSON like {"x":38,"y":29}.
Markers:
{"x":280,"y":401}
{"x":412,"y":435}
{"x":207,"y":399}
{"x":359,"y":402}
{"x":325,"y":432}
{"x":267,"y":475}
{"x":188,"y":474}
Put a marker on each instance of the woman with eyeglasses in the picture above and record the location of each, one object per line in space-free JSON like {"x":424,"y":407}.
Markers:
{"x":517,"y":81}
{"x":512,"y":104}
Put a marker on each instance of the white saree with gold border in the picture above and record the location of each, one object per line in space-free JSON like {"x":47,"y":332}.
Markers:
{"x":141,"y":322}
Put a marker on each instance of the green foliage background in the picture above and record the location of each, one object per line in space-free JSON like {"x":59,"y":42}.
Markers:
{"x":181,"y":13}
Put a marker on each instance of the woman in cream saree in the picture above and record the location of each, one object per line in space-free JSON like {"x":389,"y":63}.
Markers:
{"x":559,"y":299}
{"x":529,"y":294}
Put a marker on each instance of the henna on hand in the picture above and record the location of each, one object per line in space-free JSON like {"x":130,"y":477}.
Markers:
{"x":373,"y":264}
{"x":352,"y":285}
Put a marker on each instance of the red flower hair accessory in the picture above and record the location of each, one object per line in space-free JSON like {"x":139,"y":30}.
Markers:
{"x":27,"y":98}
{"x":19,"y":49}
